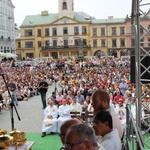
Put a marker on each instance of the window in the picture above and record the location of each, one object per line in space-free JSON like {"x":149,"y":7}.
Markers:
{"x":103,"y":44}
{"x":39,"y":32}
{"x":132,"y":42}
{"x":122,"y":31}
{"x":65,"y":43}
{"x":28,"y":44}
{"x":46,"y":31}
{"x":47,"y":43}
{"x":113,"y":30}
{"x":141,"y":29}
{"x":76,"y":30}
{"x":19,"y":45}
{"x":102,"y":31}
{"x":76,"y":42}
{"x":54,"y":31}
{"x":64,"y":5}
{"x":54,"y":43}
{"x":29,"y":55}
{"x":142,"y":42}
{"x":114,"y":43}
{"x":65,"y":30}
{"x":132,"y":29}
{"x":94,"y":43}
{"x":28,"y":33}
{"x":84,"y":42}
{"x":94,"y":31}
{"x":84,"y":30}
{"x":148,"y":41}
{"x":39,"y":44}
{"x":149,"y":27}
{"x":122,"y":42}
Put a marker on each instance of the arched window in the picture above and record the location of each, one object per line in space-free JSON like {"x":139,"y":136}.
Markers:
{"x":64,"y":6}
{"x":99,"y":53}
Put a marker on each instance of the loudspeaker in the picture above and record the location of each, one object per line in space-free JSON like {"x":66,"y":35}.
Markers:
{"x":145,"y":62}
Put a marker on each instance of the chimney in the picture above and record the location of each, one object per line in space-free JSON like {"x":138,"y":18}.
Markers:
{"x":44,"y":13}
{"x":110,"y":17}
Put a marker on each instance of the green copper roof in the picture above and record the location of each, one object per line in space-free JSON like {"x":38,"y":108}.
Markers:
{"x":80,"y":18}
{"x":112,"y":20}
{"x":37,"y":20}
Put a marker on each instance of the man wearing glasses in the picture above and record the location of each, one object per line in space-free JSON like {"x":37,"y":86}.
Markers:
{"x":103,"y":126}
{"x":81,"y":137}
{"x":63,"y":129}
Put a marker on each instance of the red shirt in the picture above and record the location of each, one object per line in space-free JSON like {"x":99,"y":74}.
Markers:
{"x":117,"y":98}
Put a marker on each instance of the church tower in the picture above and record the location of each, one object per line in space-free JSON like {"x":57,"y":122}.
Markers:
{"x":66,"y":8}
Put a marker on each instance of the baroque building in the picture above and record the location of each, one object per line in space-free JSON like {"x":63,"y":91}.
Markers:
{"x":64,"y":33}
{"x":7,"y":27}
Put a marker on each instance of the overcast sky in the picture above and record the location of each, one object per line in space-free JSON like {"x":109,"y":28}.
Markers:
{"x":97,"y":8}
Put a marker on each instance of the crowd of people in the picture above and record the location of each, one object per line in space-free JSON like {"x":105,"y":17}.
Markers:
{"x":85,"y":86}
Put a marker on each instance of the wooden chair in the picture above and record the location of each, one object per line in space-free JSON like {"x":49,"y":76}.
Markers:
{"x":75,"y":114}
{"x":88,"y":117}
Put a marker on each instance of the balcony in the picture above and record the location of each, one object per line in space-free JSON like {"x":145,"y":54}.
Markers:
{"x":64,"y":47}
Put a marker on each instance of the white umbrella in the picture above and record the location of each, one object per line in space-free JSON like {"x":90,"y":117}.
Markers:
{"x":10,"y":55}
{"x":2,"y":54}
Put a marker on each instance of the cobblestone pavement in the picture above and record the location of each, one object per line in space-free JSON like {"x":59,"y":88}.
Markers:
{"x":30,"y":113}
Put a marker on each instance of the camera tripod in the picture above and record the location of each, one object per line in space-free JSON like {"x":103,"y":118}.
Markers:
{"x":12,"y":105}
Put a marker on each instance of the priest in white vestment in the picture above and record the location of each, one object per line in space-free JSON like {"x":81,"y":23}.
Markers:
{"x":64,"y":113}
{"x":49,"y":124}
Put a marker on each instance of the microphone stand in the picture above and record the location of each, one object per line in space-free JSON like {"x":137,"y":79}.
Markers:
{"x":11,"y":104}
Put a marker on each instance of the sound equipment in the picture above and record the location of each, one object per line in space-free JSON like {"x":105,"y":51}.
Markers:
{"x":145,"y":62}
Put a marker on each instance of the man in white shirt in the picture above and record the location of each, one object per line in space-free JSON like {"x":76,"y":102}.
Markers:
{"x":64,"y":113}
{"x":103,"y":126}
{"x":75,"y":106}
{"x":121,"y":111}
{"x":101,"y":101}
{"x":59,"y":96}
{"x":49,"y":124}
{"x":81,"y":137}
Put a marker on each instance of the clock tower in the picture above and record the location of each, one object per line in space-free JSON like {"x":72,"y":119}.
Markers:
{"x":66,"y":8}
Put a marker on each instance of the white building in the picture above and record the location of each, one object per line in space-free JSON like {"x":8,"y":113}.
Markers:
{"x":7,"y":27}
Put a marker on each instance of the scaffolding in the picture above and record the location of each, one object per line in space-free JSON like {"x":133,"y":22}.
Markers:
{"x":138,"y":135}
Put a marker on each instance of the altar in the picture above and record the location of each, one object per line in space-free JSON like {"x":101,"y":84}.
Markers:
{"x":27,"y":146}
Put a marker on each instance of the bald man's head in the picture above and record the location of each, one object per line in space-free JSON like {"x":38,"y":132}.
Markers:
{"x":65,"y":125}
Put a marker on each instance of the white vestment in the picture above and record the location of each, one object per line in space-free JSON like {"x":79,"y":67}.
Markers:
{"x":116,"y":122}
{"x":52,"y":126}
{"x":64,"y":114}
{"x":76,"y":107}
{"x":111,"y":141}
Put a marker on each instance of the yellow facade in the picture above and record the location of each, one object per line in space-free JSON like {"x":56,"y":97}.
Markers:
{"x":67,"y":32}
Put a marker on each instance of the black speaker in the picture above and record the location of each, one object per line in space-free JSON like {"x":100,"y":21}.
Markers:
{"x":146,"y":63}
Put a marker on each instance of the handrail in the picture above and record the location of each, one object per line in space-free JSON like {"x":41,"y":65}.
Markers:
{"x":131,"y":126}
